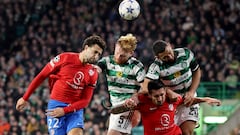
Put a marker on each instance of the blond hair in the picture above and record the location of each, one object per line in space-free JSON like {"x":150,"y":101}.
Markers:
{"x":128,"y":42}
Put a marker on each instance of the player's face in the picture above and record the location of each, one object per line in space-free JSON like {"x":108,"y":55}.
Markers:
{"x":158,"y":96}
{"x":168,"y":55}
{"x":121,"y":55}
{"x":93,"y":53}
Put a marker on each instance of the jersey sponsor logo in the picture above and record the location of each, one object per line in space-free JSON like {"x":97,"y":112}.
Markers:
{"x":165,"y":120}
{"x":120,"y":80}
{"x":119,"y":74}
{"x":74,"y":86}
{"x":177,"y":74}
{"x":78,"y":78}
{"x":163,"y":128}
{"x":179,"y":78}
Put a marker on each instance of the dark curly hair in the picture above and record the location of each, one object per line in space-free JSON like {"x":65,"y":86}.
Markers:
{"x":154,"y":85}
{"x":92,"y":40}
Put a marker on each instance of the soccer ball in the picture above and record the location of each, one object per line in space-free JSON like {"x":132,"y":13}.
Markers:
{"x":129,"y":9}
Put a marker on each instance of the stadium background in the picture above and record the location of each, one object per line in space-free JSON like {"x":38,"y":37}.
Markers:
{"x":33,"y":31}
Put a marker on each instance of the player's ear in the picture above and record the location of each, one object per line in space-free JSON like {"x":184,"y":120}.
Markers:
{"x":85,"y":47}
{"x":132,"y":52}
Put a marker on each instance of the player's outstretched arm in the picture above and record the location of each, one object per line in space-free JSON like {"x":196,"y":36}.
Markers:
{"x":208,"y":100}
{"x":212,"y":101}
{"x":120,"y":109}
{"x":128,"y":105}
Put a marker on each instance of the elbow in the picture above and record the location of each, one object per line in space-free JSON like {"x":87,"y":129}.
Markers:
{"x":197,"y":73}
{"x":86,"y":103}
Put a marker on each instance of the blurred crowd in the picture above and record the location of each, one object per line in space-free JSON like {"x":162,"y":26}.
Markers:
{"x":34,"y":31}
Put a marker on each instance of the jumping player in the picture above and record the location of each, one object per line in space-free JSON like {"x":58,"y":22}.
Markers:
{"x":72,"y":79}
{"x":124,"y":75}
{"x":177,"y":69}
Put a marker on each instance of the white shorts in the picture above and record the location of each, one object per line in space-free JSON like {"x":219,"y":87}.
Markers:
{"x":186,"y":113}
{"x":121,"y":122}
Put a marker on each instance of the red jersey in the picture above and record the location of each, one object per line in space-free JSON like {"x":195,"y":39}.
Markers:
{"x":158,"y":120}
{"x":70,"y":81}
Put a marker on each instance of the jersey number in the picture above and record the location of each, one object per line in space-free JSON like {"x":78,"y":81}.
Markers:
{"x":193,"y":111}
{"x":53,"y":123}
{"x":121,"y":121}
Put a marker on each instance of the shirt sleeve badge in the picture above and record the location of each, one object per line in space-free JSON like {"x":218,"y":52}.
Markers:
{"x":91,"y":72}
{"x":54,"y":60}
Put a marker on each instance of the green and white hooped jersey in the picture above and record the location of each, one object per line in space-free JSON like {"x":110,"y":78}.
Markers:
{"x":177,"y":75}
{"x":123,"y":80}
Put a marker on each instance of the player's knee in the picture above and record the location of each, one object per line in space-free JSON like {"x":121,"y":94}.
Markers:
{"x":187,"y":132}
{"x":188,"y":128}
{"x":76,"y":131}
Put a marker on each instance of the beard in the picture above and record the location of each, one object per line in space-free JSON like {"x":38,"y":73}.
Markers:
{"x":159,"y":103}
{"x":169,"y":62}
{"x":91,"y":61}
{"x":119,"y":61}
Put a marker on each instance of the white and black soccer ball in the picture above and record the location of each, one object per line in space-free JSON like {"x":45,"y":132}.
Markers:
{"x":129,"y":9}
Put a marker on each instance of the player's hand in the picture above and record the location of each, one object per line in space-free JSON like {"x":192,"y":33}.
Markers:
{"x":213,"y":101}
{"x":130,"y":103}
{"x":57,"y":112}
{"x":188,"y":98}
{"x":21,"y":104}
{"x":172,"y":95}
